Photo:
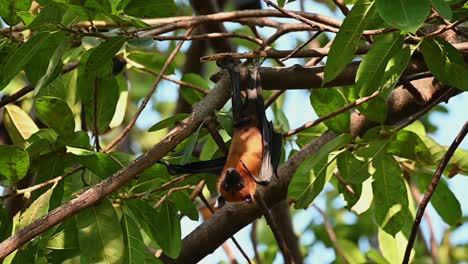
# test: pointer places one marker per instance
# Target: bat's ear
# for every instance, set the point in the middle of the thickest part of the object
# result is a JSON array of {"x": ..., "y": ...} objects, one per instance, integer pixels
[{"x": 220, "y": 202}]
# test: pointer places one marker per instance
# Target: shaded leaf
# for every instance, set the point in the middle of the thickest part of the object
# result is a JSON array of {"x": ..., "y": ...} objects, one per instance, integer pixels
[
  {"x": 169, "y": 230},
  {"x": 325, "y": 101},
  {"x": 153, "y": 61},
  {"x": 103, "y": 54},
  {"x": 445, "y": 62},
  {"x": 192, "y": 141},
  {"x": 37, "y": 209},
  {"x": 14, "y": 162},
  {"x": 55, "y": 113},
  {"x": 99, "y": 234},
  {"x": 142, "y": 8},
  {"x": 135, "y": 250}
]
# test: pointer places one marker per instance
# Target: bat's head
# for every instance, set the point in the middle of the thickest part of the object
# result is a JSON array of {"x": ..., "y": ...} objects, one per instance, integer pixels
[{"x": 234, "y": 188}]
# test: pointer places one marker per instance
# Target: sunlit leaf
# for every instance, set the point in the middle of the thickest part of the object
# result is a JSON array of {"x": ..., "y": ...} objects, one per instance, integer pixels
[{"x": 14, "y": 162}]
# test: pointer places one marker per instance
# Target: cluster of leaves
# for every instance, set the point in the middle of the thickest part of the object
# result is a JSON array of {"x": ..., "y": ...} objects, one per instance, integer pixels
[{"x": 52, "y": 131}]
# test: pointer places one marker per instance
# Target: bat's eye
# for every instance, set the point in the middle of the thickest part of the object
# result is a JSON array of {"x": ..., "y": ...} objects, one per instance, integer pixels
[
  {"x": 239, "y": 186},
  {"x": 226, "y": 186}
]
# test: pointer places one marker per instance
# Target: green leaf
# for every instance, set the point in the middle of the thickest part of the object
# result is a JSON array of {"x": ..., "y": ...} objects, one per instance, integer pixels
[
  {"x": 37, "y": 209},
  {"x": 353, "y": 169},
  {"x": 6, "y": 224},
  {"x": 167, "y": 122},
  {"x": 53, "y": 66},
  {"x": 375, "y": 256},
  {"x": 443, "y": 8},
  {"x": 445, "y": 62},
  {"x": 443, "y": 200},
  {"x": 185, "y": 205},
  {"x": 375, "y": 109},
  {"x": 50, "y": 14},
  {"x": 390, "y": 200},
  {"x": 98, "y": 5},
  {"x": 408, "y": 15},
  {"x": 310, "y": 134},
  {"x": 103, "y": 54},
  {"x": 101, "y": 104},
  {"x": 150, "y": 9},
  {"x": 408, "y": 145},
  {"x": 145, "y": 215},
  {"x": 134, "y": 247},
  {"x": 122, "y": 102},
  {"x": 351, "y": 251},
  {"x": 393, "y": 247},
  {"x": 191, "y": 95},
  {"x": 372, "y": 68},
  {"x": 21, "y": 56},
  {"x": 325, "y": 101},
  {"x": 346, "y": 41},
  {"x": 14, "y": 162},
  {"x": 65, "y": 237},
  {"x": 311, "y": 176},
  {"x": 19, "y": 124},
  {"x": 55, "y": 113},
  {"x": 192, "y": 141},
  {"x": 100, "y": 235},
  {"x": 169, "y": 230},
  {"x": 100, "y": 164},
  {"x": 153, "y": 61},
  {"x": 9, "y": 10}
]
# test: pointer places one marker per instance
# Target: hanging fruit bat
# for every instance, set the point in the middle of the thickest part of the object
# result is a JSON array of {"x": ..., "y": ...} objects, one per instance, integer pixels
[{"x": 255, "y": 147}]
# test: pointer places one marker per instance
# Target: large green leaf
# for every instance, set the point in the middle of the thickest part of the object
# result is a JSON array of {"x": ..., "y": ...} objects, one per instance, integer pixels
[
  {"x": 443, "y": 200},
  {"x": 47, "y": 63},
  {"x": 325, "y": 101},
  {"x": 192, "y": 141},
  {"x": 169, "y": 230},
  {"x": 21, "y": 56},
  {"x": 390, "y": 199},
  {"x": 51, "y": 14},
  {"x": 371, "y": 70},
  {"x": 352, "y": 253},
  {"x": 445, "y": 62},
  {"x": 100, "y": 164},
  {"x": 185, "y": 204},
  {"x": 443, "y": 8},
  {"x": 311, "y": 176},
  {"x": 353, "y": 168},
  {"x": 38, "y": 208},
  {"x": 393, "y": 247},
  {"x": 55, "y": 113},
  {"x": 6, "y": 224},
  {"x": 63, "y": 243},
  {"x": 144, "y": 215},
  {"x": 103, "y": 54},
  {"x": 100, "y": 235},
  {"x": 408, "y": 145},
  {"x": 101, "y": 104},
  {"x": 134, "y": 247},
  {"x": 346, "y": 41},
  {"x": 408, "y": 15},
  {"x": 142, "y": 8},
  {"x": 14, "y": 162},
  {"x": 19, "y": 124}
]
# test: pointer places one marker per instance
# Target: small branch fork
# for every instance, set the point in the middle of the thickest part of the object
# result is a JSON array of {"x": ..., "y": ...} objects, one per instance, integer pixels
[{"x": 432, "y": 187}]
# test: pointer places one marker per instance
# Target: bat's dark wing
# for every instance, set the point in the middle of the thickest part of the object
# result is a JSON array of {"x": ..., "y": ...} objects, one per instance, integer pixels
[
  {"x": 272, "y": 141},
  {"x": 214, "y": 166}
]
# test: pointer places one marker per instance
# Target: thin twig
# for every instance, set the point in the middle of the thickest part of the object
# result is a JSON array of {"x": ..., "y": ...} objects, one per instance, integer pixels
[
  {"x": 163, "y": 187},
  {"x": 432, "y": 187},
  {"x": 148, "y": 96},
  {"x": 273, "y": 97},
  {"x": 211, "y": 126},
  {"x": 331, "y": 233},
  {"x": 342, "y": 6},
  {"x": 42, "y": 184},
  {"x": 300, "y": 47},
  {"x": 169, "y": 193},
  {"x": 344, "y": 183},
  {"x": 210, "y": 36},
  {"x": 332, "y": 114},
  {"x": 165, "y": 77},
  {"x": 309, "y": 22},
  {"x": 448, "y": 27},
  {"x": 288, "y": 258}
]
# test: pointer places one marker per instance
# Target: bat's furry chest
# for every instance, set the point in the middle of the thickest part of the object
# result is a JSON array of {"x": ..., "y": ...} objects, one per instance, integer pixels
[{"x": 246, "y": 145}]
